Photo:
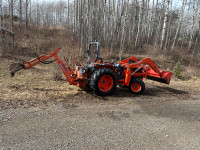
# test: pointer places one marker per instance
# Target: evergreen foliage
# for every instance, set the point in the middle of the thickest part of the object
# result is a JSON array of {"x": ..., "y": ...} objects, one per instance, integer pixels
[{"x": 178, "y": 70}]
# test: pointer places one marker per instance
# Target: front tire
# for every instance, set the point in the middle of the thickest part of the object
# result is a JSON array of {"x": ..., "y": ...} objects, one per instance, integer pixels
[
  {"x": 103, "y": 81},
  {"x": 136, "y": 86}
]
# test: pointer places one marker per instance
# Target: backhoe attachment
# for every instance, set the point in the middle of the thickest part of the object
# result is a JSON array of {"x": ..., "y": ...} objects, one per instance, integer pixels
[
  {"x": 43, "y": 59},
  {"x": 16, "y": 67}
]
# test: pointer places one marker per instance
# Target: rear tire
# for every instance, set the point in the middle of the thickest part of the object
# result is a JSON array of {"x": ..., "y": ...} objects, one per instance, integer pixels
[
  {"x": 136, "y": 86},
  {"x": 103, "y": 81}
]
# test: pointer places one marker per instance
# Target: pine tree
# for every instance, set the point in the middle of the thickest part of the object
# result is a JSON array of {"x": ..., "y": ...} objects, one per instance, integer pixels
[{"x": 178, "y": 70}]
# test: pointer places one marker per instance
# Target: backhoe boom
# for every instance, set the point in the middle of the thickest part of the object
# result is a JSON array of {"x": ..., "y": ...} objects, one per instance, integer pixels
[{"x": 42, "y": 59}]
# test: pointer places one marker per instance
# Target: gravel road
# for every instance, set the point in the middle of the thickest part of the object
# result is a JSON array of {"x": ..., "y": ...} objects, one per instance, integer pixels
[
  {"x": 135, "y": 123},
  {"x": 37, "y": 112}
]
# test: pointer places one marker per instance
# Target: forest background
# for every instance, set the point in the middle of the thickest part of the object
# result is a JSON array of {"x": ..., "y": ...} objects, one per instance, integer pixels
[{"x": 167, "y": 30}]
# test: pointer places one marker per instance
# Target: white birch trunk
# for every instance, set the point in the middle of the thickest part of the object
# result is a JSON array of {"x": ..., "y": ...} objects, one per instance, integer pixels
[
  {"x": 192, "y": 30},
  {"x": 179, "y": 24},
  {"x": 30, "y": 9},
  {"x": 123, "y": 30},
  {"x": 1, "y": 14},
  {"x": 164, "y": 25},
  {"x": 158, "y": 28},
  {"x": 112, "y": 27},
  {"x": 196, "y": 49},
  {"x": 26, "y": 24},
  {"x": 20, "y": 15},
  {"x": 11, "y": 15},
  {"x": 68, "y": 13},
  {"x": 138, "y": 27}
]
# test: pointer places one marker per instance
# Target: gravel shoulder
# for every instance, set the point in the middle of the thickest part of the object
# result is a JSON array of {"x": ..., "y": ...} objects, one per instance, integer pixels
[{"x": 142, "y": 124}]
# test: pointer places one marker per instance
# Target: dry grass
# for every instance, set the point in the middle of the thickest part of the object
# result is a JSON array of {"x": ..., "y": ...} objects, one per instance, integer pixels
[
  {"x": 38, "y": 85},
  {"x": 31, "y": 87}
]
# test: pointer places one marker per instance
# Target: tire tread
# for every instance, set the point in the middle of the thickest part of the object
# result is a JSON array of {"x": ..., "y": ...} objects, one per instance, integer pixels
[{"x": 96, "y": 76}]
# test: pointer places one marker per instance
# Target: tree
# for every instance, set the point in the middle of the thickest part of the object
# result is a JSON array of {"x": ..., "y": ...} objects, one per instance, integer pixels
[
  {"x": 11, "y": 14},
  {"x": 26, "y": 25},
  {"x": 164, "y": 25},
  {"x": 124, "y": 17},
  {"x": 20, "y": 15},
  {"x": 178, "y": 70},
  {"x": 179, "y": 24},
  {"x": 1, "y": 14}
]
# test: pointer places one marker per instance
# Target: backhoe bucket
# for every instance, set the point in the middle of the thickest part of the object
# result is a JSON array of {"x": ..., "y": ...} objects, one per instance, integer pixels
[
  {"x": 16, "y": 67},
  {"x": 164, "y": 78}
]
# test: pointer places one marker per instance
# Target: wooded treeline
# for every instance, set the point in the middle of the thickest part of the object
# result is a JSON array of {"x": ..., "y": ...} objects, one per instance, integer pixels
[{"x": 125, "y": 25}]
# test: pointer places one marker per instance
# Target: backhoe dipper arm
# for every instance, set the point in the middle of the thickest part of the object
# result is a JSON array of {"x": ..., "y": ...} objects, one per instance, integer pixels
[
  {"x": 42, "y": 59},
  {"x": 144, "y": 61},
  {"x": 39, "y": 59},
  {"x": 26, "y": 65}
]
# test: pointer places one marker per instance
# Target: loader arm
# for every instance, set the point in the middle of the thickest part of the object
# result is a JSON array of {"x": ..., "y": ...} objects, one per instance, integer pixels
[
  {"x": 151, "y": 72},
  {"x": 148, "y": 61},
  {"x": 42, "y": 59}
]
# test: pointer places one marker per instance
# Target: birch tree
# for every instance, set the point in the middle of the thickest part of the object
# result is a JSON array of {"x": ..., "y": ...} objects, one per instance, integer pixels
[
  {"x": 124, "y": 17},
  {"x": 1, "y": 14},
  {"x": 164, "y": 25},
  {"x": 192, "y": 29},
  {"x": 26, "y": 24},
  {"x": 179, "y": 23},
  {"x": 11, "y": 14},
  {"x": 20, "y": 15},
  {"x": 138, "y": 26}
]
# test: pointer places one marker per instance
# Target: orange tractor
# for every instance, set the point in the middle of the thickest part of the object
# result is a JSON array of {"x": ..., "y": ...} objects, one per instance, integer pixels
[{"x": 103, "y": 77}]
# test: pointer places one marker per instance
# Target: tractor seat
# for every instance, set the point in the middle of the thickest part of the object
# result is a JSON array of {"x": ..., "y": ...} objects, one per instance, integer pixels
[
  {"x": 88, "y": 67},
  {"x": 117, "y": 66}
]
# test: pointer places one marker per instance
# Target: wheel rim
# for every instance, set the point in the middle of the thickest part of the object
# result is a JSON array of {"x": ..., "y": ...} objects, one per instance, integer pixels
[
  {"x": 136, "y": 87},
  {"x": 105, "y": 83}
]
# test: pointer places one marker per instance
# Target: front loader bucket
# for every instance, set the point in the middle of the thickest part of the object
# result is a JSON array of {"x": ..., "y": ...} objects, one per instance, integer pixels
[
  {"x": 16, "y": 67},
  {"x": 164, "y": 78}
]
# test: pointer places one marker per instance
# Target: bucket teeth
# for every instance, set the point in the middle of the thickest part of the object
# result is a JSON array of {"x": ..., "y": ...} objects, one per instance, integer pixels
[{"x": 16, "y": 67}]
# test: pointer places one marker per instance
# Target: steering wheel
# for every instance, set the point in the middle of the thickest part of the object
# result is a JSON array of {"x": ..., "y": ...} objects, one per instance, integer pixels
[{"x": 98, "y": 60}]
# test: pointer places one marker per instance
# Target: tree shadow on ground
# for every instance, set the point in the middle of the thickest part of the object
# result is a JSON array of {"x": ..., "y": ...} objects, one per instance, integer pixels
[
  {"x": 160, "y": 91},
  {"x": 156, "y": 91}
]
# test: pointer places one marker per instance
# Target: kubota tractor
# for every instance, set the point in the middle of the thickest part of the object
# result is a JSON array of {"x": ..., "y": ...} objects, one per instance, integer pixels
[{"x": 103, "y": 77}]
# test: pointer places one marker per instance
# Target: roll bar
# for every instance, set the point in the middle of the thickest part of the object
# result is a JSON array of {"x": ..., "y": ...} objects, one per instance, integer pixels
[{"x": 96, "y": 52}]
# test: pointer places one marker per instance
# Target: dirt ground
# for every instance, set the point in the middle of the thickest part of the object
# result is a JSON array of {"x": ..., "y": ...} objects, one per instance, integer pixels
[{"x": 37, "y": 112}]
